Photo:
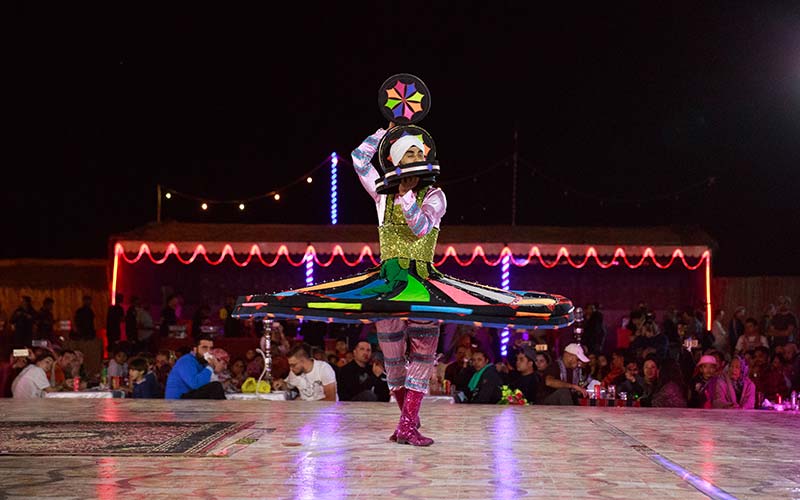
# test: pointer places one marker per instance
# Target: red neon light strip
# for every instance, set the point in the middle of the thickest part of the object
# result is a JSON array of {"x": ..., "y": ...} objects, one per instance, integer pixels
[
  {"x": 707, "y": 257},
  {"x": 366, "y": 253}
]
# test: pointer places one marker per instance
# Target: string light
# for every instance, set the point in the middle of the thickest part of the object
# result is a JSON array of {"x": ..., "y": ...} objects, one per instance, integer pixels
[
  {"x": 306, "y": 178},
  {"x": 334, "y": 189},
  {"x": 204, "y": 206}
]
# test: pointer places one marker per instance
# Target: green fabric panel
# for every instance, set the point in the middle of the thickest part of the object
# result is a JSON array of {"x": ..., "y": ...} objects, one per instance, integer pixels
[{"x": 413, "y": 292}]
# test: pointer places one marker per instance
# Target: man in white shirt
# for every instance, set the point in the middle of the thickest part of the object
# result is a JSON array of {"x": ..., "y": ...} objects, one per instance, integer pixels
[
  {"x": 32, "y": 381},
  {"x": 315, "y": 380}
]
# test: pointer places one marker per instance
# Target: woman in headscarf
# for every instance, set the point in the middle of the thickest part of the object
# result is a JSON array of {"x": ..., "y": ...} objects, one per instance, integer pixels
[{"x": 734, "y": 390}]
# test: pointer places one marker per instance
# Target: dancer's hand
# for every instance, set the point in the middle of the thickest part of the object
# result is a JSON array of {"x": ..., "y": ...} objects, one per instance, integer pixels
[{"x": 408, "y": 184}]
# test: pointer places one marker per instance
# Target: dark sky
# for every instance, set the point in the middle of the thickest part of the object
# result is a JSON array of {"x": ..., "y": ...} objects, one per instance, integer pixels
[{"x": 632, "y": 114}]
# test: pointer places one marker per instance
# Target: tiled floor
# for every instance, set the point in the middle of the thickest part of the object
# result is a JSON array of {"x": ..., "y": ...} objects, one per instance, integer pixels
[{"x": 337, "y": 451}]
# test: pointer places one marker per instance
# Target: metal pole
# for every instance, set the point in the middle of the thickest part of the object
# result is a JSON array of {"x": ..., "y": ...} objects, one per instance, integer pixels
[{"x": 158, "y": 204}]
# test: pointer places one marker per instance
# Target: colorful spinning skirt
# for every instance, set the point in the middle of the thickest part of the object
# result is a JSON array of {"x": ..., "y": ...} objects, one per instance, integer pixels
[{"x": 412, "y": 290}]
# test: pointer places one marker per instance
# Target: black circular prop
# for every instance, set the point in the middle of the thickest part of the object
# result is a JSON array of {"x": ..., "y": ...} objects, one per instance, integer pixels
[
  {"x": 404, "y": 99},
  {"x": 427, "y": 170}
]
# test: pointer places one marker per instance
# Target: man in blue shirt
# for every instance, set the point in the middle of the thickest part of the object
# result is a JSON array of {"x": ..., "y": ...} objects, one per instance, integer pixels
[{"x": 190, "y": 378}]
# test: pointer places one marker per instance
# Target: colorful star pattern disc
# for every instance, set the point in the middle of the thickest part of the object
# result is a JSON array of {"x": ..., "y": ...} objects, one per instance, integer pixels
[{"x": 404, "y": 99}]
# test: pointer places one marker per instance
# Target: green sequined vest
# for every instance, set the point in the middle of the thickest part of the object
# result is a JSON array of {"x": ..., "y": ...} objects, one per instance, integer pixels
[{"x": 397, "y": 239}]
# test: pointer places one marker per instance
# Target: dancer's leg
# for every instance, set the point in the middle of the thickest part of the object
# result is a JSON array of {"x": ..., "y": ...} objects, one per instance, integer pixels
[
  {"x": 424, "y": 337},
  {"x": 392, "y": 339}
]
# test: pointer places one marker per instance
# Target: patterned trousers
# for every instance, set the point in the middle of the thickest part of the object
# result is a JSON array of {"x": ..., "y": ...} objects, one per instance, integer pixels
[{"x": 412, "y": 371}]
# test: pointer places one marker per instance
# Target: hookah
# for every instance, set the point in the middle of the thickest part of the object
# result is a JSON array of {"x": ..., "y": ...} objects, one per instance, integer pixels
[
  {"x": 578, "y": 324},
  {"x": 265, "y": 345}
]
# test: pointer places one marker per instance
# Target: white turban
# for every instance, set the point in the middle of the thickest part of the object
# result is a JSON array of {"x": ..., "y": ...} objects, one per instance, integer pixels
[{"x": 402, "y": 144}]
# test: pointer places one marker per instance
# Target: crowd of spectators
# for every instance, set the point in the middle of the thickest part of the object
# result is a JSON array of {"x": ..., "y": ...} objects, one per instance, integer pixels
[{"x": 671, "y": 361}]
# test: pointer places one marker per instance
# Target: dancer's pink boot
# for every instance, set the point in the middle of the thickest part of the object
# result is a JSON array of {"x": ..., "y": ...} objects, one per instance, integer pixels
[
  {"x": 400, "y": 397},
  {"x": 407, "y": 432}
]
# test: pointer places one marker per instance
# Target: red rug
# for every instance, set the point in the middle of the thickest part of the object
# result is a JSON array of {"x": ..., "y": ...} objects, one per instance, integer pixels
[{"x": 114, "y": 438}]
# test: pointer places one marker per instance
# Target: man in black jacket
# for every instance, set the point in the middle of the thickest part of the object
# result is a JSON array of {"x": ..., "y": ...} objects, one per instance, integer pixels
[
  {"x": 362, "y": 379},
  {"x": 482, "y": 380}
]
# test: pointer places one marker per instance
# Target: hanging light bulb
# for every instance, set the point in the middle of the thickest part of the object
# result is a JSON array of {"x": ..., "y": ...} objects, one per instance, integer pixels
[
  {"x": 204, "y": 206},
  {"x": 168, "y": 196},
  {"x": 277, "y": 197},
  {"x": 309, "y": 179},
  {"x": 241, "y": 206}
]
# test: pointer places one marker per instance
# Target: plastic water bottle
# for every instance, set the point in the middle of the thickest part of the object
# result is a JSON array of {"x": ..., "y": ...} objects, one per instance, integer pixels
[{"x": 794, "y": 400}]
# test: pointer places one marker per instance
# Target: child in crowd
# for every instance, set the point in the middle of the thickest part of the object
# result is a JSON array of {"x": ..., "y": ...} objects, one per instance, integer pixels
[
  {"x": 143, "y": 383},
  {"x": 236, "y": 376},
  {"x": 118, "y": 366}
]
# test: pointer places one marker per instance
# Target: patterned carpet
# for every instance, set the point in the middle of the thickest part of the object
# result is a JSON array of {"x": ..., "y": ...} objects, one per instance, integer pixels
[{"x": 114, "y": 438}]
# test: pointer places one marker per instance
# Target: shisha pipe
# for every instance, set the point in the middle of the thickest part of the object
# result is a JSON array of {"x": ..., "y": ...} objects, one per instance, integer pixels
[
  {"x": 264, "y": 350},
  {"x": 578, "y": 324}
]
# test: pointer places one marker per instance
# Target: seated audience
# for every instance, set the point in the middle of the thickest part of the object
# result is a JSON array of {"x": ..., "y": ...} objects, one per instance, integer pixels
[
  {"x": 649, "y": 381},
  {"x": 118, "y": 364},
  {"x": 616, "y": 374},
  {"x": 563, "y": 378},
  {"x": 769, "y": 382},
  {"x": 190, "y": 378},
  {"x": 163, "y": 364},
  {"x": 314, "y": 380},
  {"x": 143, "y": 383},
  {"x": 32, "y": 381},
  {"x": 221, "y": 373},
  {"x": 703, "y": 383},
  {"x": 734, "y": 389},
  {"x": 341, "y": 349},
  {"x": 62, "y": 372},
  {"x": 236, "y": 376},
  {"x": 543, "y": 361},
  {"x": 485, "y": 384},
  {"x": 633, "y": 382},
  {"x": 362, "y": 379},
  {"x": 670, "y": 390},
  {"x": 255, "y": 363},
  {"x": 11, "y": 370},
  {"x": 459, "y": 363},
  {"x": 526, "y": 380}
]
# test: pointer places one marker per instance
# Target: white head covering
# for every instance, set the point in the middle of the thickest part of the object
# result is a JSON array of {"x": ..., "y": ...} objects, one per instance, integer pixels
[{"x": 402, "y": 144}]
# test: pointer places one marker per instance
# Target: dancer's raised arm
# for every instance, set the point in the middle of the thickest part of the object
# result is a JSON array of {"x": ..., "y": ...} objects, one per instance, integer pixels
[{"x": 362, "y": 164}]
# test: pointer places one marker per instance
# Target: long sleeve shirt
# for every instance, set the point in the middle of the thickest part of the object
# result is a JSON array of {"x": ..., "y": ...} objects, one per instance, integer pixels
[
  {"x": 420, "y": 219},
  {"x": 187, "y": 374}
]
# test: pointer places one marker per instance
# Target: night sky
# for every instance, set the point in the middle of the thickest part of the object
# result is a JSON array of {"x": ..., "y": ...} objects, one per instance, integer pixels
[{"x": 638, "y": 114}]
